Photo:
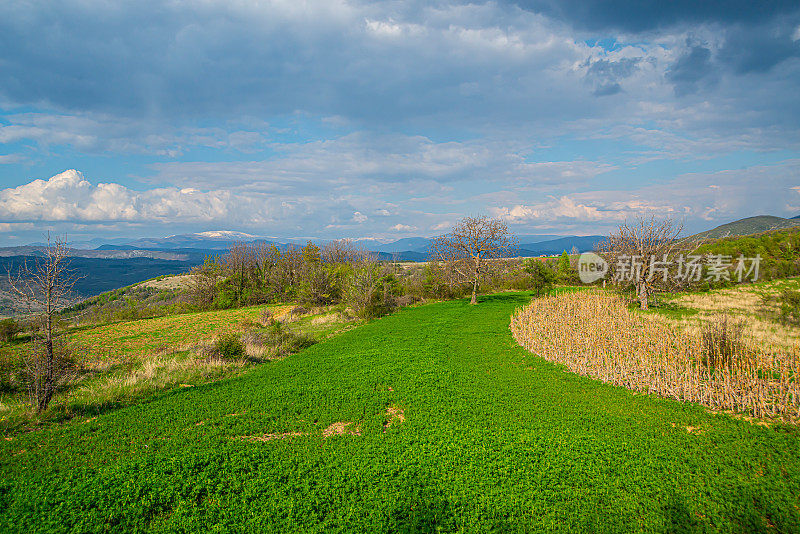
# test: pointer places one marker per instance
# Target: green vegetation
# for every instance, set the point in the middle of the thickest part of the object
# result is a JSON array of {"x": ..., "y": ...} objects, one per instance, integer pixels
[
  {"x": 542, "y": 276},
  {"x": 8, "y": 329},
  {"x": 435, "y": 420},
  {"x": 789, "y": 306},
  {"x": 229, "y": 346},
  {"x": 121, "y": 363},
  {"x": 746, "y": 226},
  {"x": 779, "y": 251}
]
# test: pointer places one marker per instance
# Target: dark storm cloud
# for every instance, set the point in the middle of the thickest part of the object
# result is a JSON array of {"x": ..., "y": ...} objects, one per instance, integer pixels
[
  {"x": 690, "y": 69},
  {"x": 645, "y": 15},
  {"x": 757, "y": 34},
  {"x": 759, "y": 48}
]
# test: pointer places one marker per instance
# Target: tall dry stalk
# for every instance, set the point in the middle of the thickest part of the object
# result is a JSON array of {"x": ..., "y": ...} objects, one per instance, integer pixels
[{"x": 594, "y": 334}]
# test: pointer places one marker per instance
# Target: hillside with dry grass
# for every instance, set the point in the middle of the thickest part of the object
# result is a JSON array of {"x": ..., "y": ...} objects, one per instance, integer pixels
[
  {"x": 125, "y": 361},
  {"x": 753, "y": 306}
]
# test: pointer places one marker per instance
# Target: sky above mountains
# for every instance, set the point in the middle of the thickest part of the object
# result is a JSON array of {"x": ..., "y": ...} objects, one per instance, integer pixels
[{"x": 393, "y": 119}]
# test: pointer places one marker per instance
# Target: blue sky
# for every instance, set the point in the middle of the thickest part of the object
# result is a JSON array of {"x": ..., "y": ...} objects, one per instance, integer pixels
[{"x": 393, "y": 119}]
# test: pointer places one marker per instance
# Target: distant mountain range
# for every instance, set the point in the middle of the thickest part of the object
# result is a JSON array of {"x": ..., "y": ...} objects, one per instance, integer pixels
[{"x": 194, "y": 247}]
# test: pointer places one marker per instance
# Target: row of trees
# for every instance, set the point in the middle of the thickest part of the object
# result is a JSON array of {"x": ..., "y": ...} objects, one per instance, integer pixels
[
  {"x": 257, "y": 274},
  {"x": 474, "y": 255}
]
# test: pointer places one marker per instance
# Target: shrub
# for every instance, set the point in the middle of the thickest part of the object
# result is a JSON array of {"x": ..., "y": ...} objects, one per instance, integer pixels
[
  {"x": 789, "y": 305},
  {"x": 229, "y": 346},
  {"x": 406, "y": 300},
  {"x": 285, "y": 341},
  {"x": 722, "y": 342},
  {"x": 8, "y": 329},
  {"x": 9, "y": 366}
]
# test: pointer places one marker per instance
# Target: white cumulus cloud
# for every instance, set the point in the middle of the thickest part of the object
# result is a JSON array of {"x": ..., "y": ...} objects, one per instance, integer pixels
[{"x": 68, "y": 196}]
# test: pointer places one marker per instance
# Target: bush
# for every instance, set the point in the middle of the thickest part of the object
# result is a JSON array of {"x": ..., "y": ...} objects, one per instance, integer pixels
[
  {"x": 298, "y": 311},
  {"x": 722, "y": 342},
  {"x": 789, "y": 304},
  {"x": 9, "y": 368},
  {"x": 285, "y": 341},
  {"x": 229, "y": 346},
  {"x": 8, "y": 329},
  {"x": 406, "y": 300}
]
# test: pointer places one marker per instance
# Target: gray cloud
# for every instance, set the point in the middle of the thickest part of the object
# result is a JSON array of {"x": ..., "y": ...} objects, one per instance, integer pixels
[
  {"x": 757, "y": 49},
  {"x": 693, "y": 67},
  {"x": 646, "y": 15},
  {"x": 606, "y": 75},
  {"x": 147, "y": 74}
]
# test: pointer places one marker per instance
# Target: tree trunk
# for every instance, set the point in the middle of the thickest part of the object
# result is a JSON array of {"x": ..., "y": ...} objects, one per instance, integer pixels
[
  {"x": 474, "y": 291},
  {"x": 47, "y": 392},
  {"x": 642, "y": 294}
]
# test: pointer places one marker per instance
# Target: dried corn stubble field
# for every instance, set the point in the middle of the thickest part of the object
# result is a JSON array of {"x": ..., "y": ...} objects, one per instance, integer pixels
[{"x": 594, "y": 333}]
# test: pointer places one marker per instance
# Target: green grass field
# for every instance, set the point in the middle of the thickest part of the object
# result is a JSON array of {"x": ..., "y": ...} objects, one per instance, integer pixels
[{"x": 494, "y": 439}]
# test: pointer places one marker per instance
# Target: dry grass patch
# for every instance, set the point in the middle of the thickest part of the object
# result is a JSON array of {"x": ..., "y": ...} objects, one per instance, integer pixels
[
  {"x": 154, "y": 373},
  {"x": 328, "y": 318},
  {"x": 746, "y": 303},
  {"x": 272, "y": 437},
  {"x": 342, "y": 428},
  {"x": 178, "y": 281},
  {"x": 394, "y": 415}
]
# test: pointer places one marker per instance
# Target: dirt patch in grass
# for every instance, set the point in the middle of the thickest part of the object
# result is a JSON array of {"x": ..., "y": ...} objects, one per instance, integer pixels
[
  {"x": 394, "y": 415},
  {"x": 342, "y": 428},
  {"x": 272, "y": 437}
]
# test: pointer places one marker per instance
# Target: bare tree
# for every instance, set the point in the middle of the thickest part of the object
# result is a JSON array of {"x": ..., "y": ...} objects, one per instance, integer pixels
[
  {"x": 340, "y": 251},
  {"x": 46, "y": 285},
  {"x": 469, "y": 249},
  {"x": 640, "y": 254}
]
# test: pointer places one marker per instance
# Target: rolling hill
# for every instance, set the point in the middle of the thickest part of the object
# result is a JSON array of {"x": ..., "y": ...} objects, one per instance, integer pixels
[
  {"x": 429, "y": 420},
  {"x": 746, "y": 226}
]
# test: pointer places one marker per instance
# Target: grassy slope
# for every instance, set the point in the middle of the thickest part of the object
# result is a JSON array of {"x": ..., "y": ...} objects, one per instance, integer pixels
[
  {"x": 110, "y": 343},
  {"x": 174, "y": 331},
  {"x": 493, "y": 438},
  {"x": 746, "y": 226}
]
